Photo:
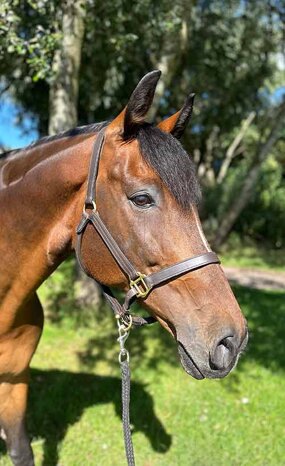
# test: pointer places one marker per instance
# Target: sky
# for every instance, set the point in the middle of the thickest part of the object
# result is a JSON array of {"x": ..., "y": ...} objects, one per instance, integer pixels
[{"x": 13, "y": 135}]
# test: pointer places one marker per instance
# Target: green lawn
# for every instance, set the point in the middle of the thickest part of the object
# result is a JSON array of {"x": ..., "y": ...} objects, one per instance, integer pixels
[
  {"x": 74, "y": 409},
  {"x": 253, "y": 256}
]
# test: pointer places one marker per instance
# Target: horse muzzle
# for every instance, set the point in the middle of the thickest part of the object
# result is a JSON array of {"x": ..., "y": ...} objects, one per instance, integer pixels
[{"x": 217, "y": 363}]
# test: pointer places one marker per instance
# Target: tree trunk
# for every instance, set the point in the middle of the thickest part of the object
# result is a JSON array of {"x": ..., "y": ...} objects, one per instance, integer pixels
[
  {"x": 205, "y": 169},
  {"x": 63, "y": 99},
  {"x": 172, "y": 53},
  {"x": 66, "y": 64},
  {"x": 244, "y": 197}
]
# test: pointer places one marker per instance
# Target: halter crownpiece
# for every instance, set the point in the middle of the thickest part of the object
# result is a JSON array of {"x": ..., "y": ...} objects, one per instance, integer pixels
[{"x": 140, "y": 284}]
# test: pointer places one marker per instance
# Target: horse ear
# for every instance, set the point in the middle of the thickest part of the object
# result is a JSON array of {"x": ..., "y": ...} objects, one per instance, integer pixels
[
  {"x": 176, "y": 124},
  {"x": 139, "y": 103}
]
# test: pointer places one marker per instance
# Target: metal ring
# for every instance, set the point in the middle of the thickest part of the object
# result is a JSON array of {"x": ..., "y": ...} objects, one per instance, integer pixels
[
  {"x": 87, "y": 206},
  {"x": 124, "y": 356},
  {"x": 125, "y": 322}
]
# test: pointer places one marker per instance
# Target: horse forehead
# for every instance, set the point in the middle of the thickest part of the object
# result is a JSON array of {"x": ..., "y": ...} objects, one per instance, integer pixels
[{"x": 127, "y": 161}]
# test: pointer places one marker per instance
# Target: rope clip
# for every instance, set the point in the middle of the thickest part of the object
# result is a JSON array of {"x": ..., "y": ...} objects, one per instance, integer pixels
[{"x": 124, "y": 331}]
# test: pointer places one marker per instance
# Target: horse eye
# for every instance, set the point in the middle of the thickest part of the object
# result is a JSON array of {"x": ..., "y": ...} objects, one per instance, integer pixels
[{"x": 142, "y": 200}]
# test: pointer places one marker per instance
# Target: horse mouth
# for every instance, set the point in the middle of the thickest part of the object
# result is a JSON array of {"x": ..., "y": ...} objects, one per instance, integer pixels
[{"x": 188, "y": 364}]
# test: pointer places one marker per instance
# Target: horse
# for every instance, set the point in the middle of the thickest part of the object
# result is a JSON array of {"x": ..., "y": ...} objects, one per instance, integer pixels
[{"x": 147, "y": 194}]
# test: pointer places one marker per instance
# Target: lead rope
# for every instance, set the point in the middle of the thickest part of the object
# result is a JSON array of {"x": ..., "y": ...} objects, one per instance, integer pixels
[
  {"x": 140, "y": 284},
  {"x": 124, "y": 359}
]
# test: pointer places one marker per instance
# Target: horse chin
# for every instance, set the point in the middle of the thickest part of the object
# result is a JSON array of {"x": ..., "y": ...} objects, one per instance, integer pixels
[{"x": 188, "y": 364}]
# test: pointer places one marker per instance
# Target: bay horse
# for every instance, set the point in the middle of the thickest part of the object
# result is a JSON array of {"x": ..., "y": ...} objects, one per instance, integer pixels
[{"x": 147, "y": 195}]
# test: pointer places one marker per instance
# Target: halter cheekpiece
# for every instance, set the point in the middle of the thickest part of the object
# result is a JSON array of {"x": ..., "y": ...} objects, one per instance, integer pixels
[{"x": 140, "y": 284}]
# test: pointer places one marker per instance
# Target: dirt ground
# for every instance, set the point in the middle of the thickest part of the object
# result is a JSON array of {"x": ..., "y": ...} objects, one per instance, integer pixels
[{"x": 260, "y": 279}]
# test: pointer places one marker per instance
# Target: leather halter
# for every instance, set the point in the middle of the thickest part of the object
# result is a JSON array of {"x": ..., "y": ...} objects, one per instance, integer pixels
[{"x": 140, "y": 284}]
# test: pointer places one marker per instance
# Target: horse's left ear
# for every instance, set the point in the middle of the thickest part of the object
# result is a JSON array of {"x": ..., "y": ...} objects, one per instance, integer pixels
[
  {"x": 176, "y": 124},
  {"x": 139, "y": 103}
]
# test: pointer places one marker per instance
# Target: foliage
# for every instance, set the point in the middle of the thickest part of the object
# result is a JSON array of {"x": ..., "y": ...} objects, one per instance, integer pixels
[
  {"x": 58, "y": 292},
  {"x": 28, "y": 36},
  {"x": 28, "y": 39},
  {"x": 230, "y": 54},
  {"x": 263, "y": 219},
  {"x": 264, "y": 216},
  {"x": 60, "y": 296},
  {"x": 230, "y": 57}
]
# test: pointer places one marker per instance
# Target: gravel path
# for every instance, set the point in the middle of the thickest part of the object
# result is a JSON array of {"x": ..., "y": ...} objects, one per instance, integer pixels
[{"x": 260, "y": 279}]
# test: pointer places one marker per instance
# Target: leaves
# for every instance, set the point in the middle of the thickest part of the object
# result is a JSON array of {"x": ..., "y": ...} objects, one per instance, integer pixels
[
  {"x": 28, "y": 34},
  {"x": 230, "y": 56}
]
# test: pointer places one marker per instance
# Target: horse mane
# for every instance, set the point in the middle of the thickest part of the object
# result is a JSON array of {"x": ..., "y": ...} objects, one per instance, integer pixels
[
  {"x": 165, "y": 154},
  {"x": 87, "y": 129},
  {"x": 6, "y": 153},
  {"x": 159, "y": 149}
]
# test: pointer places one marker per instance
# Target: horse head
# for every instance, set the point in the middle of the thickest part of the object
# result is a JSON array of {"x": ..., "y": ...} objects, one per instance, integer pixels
[{"x": 147, "y": 195}]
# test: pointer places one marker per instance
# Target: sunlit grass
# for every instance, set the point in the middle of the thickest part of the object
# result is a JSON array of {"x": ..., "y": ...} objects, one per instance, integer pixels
[
  {"x": 74, "y": 409},
  {"x": 253, "y": 256}
]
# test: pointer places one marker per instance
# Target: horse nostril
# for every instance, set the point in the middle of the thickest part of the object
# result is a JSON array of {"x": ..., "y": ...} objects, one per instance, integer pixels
[{"x": 223, "y": 354}]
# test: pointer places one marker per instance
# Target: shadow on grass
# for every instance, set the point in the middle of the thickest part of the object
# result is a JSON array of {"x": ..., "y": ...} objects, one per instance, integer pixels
[
  {"x": 59, "y": 398},
  {"x": 263, "y": 309},
  {"x": 72, "y": 393},
  {"x": 265, "y": 312},
  {"x": 149, "y": 346}
]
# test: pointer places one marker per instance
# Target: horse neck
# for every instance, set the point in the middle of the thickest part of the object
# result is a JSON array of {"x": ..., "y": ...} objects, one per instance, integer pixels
[{"x": 40, "y": 205}]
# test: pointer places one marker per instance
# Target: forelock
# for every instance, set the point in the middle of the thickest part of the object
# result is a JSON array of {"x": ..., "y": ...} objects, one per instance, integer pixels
[{"x": 171, "y": 162}]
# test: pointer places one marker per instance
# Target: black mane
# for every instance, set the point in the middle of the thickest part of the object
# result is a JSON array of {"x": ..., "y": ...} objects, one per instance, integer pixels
[
  {"x": 3, "y": 155},
  {"x": 87, "y": 129},
  {"x": 166, "y": 156},
  {"x": 160, "y": 150}
]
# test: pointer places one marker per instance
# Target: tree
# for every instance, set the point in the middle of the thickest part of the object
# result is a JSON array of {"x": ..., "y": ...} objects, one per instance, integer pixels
[
  {"x": 28, "y": 38},
  {"x": 63, "y": 103},
  {"x": 262, "y": 152},
  {"x": 228, "y": 56}
]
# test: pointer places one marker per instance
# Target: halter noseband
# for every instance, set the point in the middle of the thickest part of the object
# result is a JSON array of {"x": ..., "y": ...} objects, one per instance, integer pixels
[{"x": 140, "y": 284}]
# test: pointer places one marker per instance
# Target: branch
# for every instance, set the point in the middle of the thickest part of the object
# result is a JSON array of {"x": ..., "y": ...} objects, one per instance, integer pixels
[
  {"x": 197, "y": 156},
  {"x": 233, "y": 147},
  {"x": 5, "y": 88},
  {"x": 274, "y": 133},
  {"x": 250, "y": 181}
]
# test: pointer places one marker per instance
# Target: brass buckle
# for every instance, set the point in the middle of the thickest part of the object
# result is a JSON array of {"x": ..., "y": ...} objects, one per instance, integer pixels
[{"x": 140, "y": 286}]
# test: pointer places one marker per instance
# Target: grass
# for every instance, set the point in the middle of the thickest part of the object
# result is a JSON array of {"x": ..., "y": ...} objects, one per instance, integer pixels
[
  {"x": 253, "y": 256},
  {"x": 74, "y": 406}
]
